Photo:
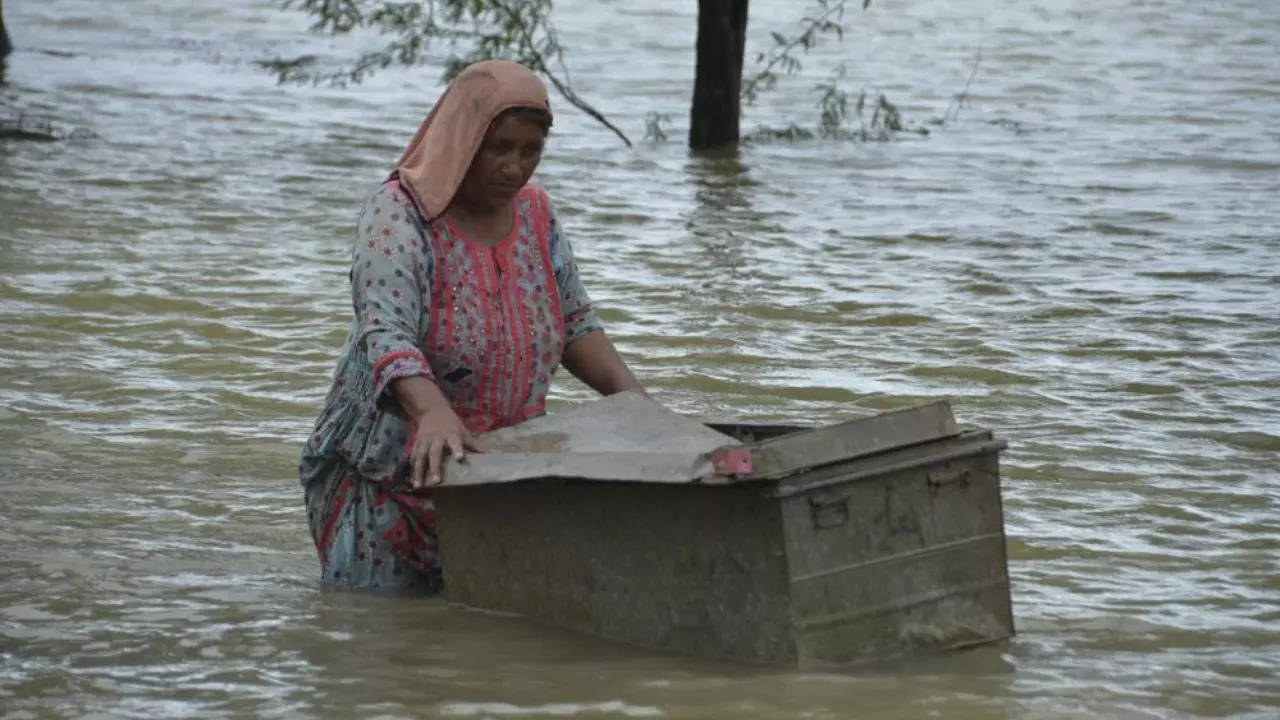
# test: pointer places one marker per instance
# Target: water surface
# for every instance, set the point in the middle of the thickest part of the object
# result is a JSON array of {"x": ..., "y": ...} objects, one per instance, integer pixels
[{"x": 1085, "y": 260}]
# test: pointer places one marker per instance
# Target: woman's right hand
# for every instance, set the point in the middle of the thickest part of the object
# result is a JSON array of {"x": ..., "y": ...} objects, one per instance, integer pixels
[{"x": 439, "y": 429}]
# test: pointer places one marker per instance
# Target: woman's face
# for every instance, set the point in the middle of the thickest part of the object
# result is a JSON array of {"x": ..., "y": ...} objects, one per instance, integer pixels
[{"x": 506, "y": 159}]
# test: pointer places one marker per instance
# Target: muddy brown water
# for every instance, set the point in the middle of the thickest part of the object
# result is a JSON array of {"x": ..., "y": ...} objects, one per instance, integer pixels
[{"x": 1085, "y": 260}]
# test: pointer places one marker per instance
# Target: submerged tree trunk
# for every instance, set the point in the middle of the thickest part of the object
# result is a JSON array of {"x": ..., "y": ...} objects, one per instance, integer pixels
[
  {"x": 717, "y": 85},
  {"x": 5, "y": 47}
]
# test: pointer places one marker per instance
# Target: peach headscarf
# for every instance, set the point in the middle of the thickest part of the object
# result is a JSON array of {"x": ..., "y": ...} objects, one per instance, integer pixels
[{"x": 432, "y": 168}]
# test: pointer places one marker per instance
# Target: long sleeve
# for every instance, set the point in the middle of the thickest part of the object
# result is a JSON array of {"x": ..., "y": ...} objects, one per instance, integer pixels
[
  {"x": 390, "y": 271},
  {"x": 579, "y": 313}
]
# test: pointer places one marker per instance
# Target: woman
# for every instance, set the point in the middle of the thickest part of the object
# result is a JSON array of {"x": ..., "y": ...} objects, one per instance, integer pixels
[{"x": 466, "y": 299}]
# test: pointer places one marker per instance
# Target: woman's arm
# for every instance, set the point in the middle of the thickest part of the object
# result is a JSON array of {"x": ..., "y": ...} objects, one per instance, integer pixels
[
  {"x": 438, "y": 429},
  {"x": 594, "y": 360},
  {"x": 390, "y": 301},
  {"x": 588, "y": 354},
  {"x": 386, "y": 294}
]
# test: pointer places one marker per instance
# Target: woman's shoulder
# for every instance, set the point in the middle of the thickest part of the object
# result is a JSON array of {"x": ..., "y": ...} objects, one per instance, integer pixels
[
  {"x": 390, "y": 194},
  {"x": 389, "y": 210}
]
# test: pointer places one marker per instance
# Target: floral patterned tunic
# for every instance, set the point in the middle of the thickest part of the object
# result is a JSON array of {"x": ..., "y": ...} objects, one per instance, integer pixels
[{"x": 487, "y": 324}]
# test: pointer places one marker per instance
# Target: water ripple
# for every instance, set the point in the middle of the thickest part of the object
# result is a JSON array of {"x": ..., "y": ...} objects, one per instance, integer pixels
[{"x": 1083, "y": 260}]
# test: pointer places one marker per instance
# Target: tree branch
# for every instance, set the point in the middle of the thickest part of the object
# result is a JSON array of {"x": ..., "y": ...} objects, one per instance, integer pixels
[
  {"x": 499, "y": 28},
  {"x": 562, "y": 87},
  {"x": 781, "y": 52}
]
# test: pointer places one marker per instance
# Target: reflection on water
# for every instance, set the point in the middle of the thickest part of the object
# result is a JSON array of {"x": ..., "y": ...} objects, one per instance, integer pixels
[{"x": 1085, "y": 261}]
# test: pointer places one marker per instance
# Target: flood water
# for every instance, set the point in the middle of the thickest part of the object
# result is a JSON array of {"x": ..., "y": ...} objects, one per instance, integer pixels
[{"x": 1086, "y": 259}]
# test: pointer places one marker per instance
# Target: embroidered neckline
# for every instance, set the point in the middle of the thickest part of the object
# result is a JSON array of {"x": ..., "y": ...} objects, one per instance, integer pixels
[{"x": 503, "y": 242}]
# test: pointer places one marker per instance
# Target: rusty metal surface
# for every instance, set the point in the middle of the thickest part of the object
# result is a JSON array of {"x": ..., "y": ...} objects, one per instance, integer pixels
[
  {"x": 623, "y": 437},
  {"x": 690, "y": 569},
  {"x": 785, "y": 455},
  {"x": 628, "y": 437},
  {"x": 877, "y": 553},
  {"x": 974, "y": 442},
  {"x": 900, "y": 556}
]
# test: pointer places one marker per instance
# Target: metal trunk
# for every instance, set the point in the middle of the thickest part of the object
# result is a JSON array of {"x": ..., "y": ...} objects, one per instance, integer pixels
[{"x": 857, "y": 541}]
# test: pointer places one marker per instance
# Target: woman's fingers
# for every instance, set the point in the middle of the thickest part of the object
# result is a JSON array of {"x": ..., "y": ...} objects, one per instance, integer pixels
[
  {"x": 435, "y": 456},
  {"x": 437, "y": 437},
  {"x": 419, "y": 466}
]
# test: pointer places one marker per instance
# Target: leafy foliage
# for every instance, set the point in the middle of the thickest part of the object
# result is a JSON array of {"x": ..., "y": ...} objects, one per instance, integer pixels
[
  {"x": 835, "y": 118},
  {"x": 461, "y": 32},
  {"x": 655, "y": 126},
  {"x": 826, "y": 20},
  {"x": 465, "y": 31}
]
